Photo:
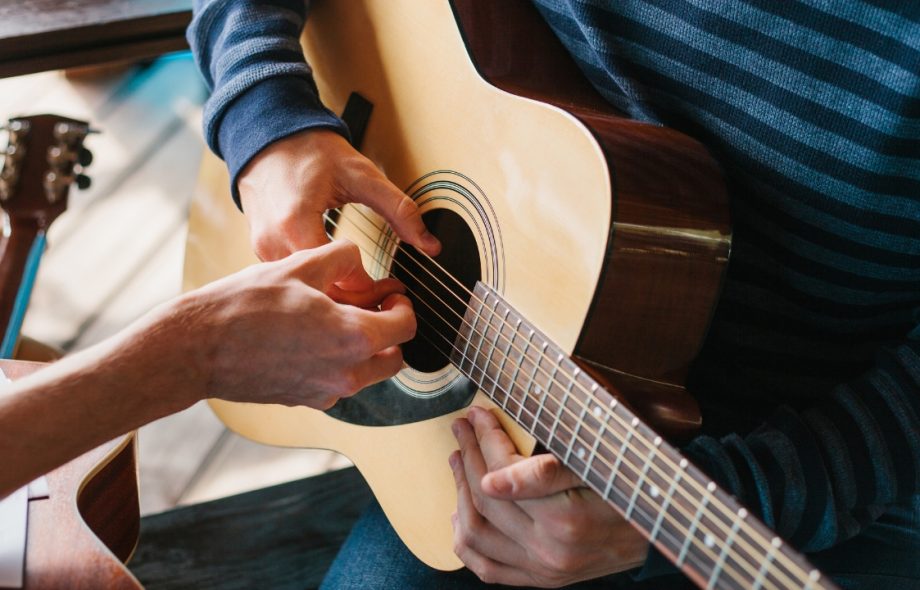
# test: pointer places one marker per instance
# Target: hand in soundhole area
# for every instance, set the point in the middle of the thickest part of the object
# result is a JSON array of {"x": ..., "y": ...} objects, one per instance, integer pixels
[
  {"x": 528, "y": 521},
  {"x": 287, "y": 187},
  {"x": 305, "y": 330}
]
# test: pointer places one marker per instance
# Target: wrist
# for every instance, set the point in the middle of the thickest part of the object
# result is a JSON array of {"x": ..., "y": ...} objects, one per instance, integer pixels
[{"x": 165, "y": 356}]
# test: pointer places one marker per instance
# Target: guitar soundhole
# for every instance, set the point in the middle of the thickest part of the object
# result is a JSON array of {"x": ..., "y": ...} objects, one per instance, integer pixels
[{"x": 440, "y": 292}]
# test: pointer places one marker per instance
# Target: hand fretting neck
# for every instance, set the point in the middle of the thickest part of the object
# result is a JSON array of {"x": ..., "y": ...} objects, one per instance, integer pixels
[{"x": 696, "y": 524}]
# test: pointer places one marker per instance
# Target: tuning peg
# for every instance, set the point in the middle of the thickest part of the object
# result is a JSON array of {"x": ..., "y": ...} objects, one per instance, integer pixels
[
  {"x": 70, "y": 133},
  {"x": 84, "y": 157},
  {"x": 83, "y": 182},
  {"x": 17, "y": 128}
]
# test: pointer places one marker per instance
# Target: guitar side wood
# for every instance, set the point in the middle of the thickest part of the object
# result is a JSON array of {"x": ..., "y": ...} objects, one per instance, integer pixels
[{"x": 81, "y": 535}]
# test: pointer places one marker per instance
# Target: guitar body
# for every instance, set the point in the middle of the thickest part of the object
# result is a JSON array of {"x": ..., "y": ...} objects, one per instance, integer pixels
[
  {"x": 609, "y": 235},
  {"x": 83, "y": 533}
]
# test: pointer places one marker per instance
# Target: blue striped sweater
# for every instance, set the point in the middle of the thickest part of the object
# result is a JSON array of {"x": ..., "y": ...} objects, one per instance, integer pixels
[{"x": 810, "y": 377}]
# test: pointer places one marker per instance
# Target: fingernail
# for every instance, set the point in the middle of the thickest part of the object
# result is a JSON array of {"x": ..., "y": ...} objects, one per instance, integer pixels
[
  {"x": 455, "y": 428},
  {"x": 454, "y": 459},
  {"x": 430, "y": 241}
]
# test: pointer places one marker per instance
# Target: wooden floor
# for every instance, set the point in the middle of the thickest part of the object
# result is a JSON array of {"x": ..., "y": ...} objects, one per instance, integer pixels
[{"x": 118, "y": 251}]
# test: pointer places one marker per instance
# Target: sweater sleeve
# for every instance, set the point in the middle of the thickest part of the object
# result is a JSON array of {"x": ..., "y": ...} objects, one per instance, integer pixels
[
  {"x": 262, "y": 89},
  {"x": 821, "y": 476}
]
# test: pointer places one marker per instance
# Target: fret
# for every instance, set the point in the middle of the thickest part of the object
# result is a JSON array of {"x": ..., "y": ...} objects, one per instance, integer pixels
[
  {"x": 598, "y": 411},
  {"x": 517, "y": 370},
  {"x": 533, "y": 375},
  {"x": 565, "y": 395},
  {"x": 619, "y": 459},
  {"x": 469, "y": 339},
  {"x": 498, "y": 376},
  {"x": 641, "y": 481},
  {"x": 729, "y": 540},
  {"x": 667, "y": 500},
  {"x": 478, "y": 355},
  {"x": 691, "y": 533},
  {"x": 581, "y": 419},
  {"x": 775, "y": 544},
  {"x": 501, "y": 367}
]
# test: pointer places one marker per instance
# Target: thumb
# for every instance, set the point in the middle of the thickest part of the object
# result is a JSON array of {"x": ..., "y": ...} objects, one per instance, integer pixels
[{"x": 534, "y": 477}]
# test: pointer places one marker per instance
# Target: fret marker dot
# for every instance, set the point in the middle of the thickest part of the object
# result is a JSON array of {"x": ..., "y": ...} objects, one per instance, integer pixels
[
  {"x": 653, "y": 491},
  {"x": 597, "y": 411},
  {"x": 709, "y": 541},
  {"x": 742, "y": 513},
  {"x": 777, "y": 542},
  {"x": 536, "y": 389},
  {"x": 683, "y": 463},
  {"x": 711, "y": 486},
  {"x": 657, "y": 441},
  {"x": 635, "y": 422},
  {"x": 581, "y": 452},
  {"x": 814, "y": 575}
]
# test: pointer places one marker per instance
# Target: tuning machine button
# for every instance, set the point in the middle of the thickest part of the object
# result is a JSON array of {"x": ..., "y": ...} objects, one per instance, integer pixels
[
  {"x": 70, "y": 133},
  {"x": 83, "y": 182},
  {"x": 84, "y": 157}
]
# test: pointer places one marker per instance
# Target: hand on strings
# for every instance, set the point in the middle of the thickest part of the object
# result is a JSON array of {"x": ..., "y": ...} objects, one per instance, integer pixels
[
  {"x": 288, "y": 186},
  {"x": 305, "y": 330},
  {"x": 527, "y": 521}
]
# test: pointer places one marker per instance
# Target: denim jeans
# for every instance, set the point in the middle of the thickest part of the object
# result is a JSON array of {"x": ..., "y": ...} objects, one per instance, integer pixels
[{"x": 886, "y": 555}]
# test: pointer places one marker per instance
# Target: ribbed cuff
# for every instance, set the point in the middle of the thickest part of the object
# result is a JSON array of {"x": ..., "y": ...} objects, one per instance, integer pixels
[{"x": 271, "y": 110}]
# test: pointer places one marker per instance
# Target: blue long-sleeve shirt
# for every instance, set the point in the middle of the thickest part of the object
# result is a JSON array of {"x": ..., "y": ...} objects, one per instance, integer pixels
[{"x": 810, "y": 376}]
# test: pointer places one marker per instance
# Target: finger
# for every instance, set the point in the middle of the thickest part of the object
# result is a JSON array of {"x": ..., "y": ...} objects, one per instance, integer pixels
[
  {"x": 534, "y": 477},
  {"x": 400, "y": 211},
  {"x": 393, "y": 324},
  {"x": 338, "y": 262},
  {"x": 275, "y": 238},
  {"x": 309, "y": 231},
  {"x": 474, "y": 534},
  {"x": 382, "y": 365},
  {"x": 506, "y": 516},
  {"x": 497, "y": 449},
  {"x": 368, "y": 298}
]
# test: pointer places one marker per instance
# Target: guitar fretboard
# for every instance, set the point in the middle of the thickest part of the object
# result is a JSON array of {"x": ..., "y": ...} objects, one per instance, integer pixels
[{"x": 701, "y": 528}]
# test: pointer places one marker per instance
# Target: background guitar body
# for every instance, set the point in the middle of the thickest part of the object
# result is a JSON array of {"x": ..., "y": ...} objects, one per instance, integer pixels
[
  {"x": 83, "y": 533},
  {"x": 609, "y": 235}
]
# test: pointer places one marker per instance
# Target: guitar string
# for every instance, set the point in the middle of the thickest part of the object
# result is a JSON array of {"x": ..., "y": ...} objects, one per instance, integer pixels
[
  {"x": 639, "y": 510},
  {"x": 628, "y": 462},
  {"x": 728, "y": 560},
  {"x": 719, "y": 508},
  {"x": 726, "y": 513}
]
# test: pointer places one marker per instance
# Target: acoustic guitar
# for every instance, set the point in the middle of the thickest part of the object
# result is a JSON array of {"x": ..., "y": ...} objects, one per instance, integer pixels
[
  {"x": 578, "y": 245},
  {"x": 85, "y": 530}
]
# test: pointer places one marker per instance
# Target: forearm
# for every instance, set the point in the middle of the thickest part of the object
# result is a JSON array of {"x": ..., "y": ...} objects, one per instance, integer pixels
[
  {"x": 86, "y": 399},
  {"x": 262, "y": 89}
]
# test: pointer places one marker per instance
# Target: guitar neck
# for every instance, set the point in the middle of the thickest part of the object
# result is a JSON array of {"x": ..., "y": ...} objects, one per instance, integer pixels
[
  {"x": 19, "y": 259},
  {"x": 701, "y": 528}
]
